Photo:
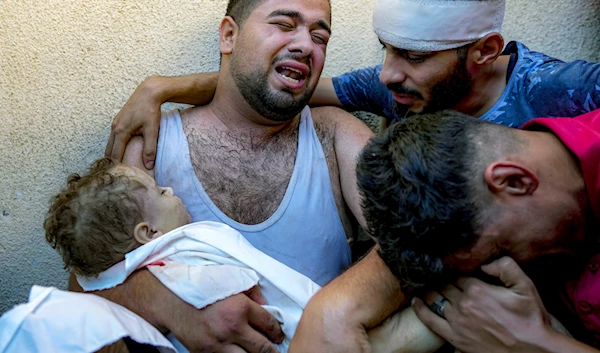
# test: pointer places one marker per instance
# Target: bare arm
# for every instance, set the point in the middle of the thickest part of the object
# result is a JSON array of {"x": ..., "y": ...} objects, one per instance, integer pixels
[
  {"x": 228, "y": 324},
  {"x": 480, "y": 317},
  {"x": 404, "y": 333},
  {"x": 141, "y": 293},
  {"x": 351, "y": 135},
  {"x": 325, "y": 94},
  {"x": 141, "y": 113},
  {"x": 337, "y": 317},
  {"x": 556, "y": 342}
]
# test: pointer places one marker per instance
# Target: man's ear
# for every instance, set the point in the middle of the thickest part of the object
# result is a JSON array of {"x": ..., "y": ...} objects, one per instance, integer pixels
[
  {"x": 486, "y": 50},
  {"x": 228, "y": 31},
  {"x": 143, "y": 233},
  {"x": 510, "y": 177}
]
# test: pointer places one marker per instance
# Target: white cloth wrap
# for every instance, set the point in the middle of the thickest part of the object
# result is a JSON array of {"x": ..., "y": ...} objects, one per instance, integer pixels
[
  {"x": 66, "y": 322},
  {"x": 435, "y": 25},
  {"x": 207, "y": 261}
]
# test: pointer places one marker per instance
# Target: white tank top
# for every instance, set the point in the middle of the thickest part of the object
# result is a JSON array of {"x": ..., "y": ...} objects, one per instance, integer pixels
[{"x": 305, "y": 232}]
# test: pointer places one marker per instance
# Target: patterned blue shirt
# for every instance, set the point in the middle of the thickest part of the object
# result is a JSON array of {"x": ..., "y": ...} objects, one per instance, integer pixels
[{"x": 539, "y": 86}]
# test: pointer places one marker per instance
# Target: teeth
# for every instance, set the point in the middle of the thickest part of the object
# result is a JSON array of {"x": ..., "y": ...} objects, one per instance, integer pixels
[
  {"x": 287, "y": 78},
  {"x": 293, "y": 70}
]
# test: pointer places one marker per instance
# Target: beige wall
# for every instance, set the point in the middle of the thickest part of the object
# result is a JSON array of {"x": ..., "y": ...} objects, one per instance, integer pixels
[{"x": 66, "y": 67}]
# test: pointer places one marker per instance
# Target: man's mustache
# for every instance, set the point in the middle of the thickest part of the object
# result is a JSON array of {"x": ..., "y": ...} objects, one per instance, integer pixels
[
  {"x": 291, "y": 56},
  {"x": 398, "y": 88}
]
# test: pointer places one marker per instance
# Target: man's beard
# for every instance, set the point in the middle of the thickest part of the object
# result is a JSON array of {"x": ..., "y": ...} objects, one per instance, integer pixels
[
  {"x": 444, "y": 95},
  {"x": 278, "y": 106}
]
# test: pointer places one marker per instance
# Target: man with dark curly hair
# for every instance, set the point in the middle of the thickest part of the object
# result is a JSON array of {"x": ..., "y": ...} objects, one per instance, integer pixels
[{"x": 447, "y": 195}]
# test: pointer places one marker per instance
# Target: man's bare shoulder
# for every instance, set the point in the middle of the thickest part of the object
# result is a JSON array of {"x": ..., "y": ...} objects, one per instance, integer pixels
[
  {"x": 340, "y": 121},
  {"x": 193, "y": 113},
  {"x": 332, "y": 115},
  {"x": 349, "y": 135}
]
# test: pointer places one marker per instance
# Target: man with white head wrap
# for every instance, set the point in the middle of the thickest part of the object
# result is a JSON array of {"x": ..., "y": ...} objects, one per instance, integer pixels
[
  {"x": 439, "y": 54},
  {"x": 436, "y": 25},
  {"x": 475, "y": 76}
]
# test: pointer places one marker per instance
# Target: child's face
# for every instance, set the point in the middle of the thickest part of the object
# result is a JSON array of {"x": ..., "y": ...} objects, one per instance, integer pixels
[{"x": 160, "y": 208}]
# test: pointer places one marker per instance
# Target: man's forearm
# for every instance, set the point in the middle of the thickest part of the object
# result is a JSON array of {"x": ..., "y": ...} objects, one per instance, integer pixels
[
  {"x": 337, "y": 317},
  {"x": 325, "y": 94},
  {"x": 556, "y": 342},
  {"x": 143, "y": 294},
  {"x": 375, "y": 291},
  {"x": 195, "y": 89},
  {"x": 404, "y": 332}
]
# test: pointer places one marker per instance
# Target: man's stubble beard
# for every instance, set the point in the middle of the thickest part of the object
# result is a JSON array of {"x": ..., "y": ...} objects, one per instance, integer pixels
[
  {"x": 276, "y": 106},
  {"x": 445, "y": 94}
]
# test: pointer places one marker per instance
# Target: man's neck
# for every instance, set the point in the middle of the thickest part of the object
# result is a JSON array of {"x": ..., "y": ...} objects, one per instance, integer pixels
[
  {"x": 235, "y": 113},
  {"x": 488, "y": 87}
]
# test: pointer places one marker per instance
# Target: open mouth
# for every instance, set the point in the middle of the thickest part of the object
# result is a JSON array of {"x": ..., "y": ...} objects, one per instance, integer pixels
[{"x": 290, "y": 74}]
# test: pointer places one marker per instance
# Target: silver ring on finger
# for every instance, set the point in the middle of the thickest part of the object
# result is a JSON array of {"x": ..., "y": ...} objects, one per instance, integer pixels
[{"x": 438, "y": 307}]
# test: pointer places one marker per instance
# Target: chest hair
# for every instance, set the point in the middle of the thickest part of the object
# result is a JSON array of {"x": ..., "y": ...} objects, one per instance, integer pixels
[{"x": 247, "y": 176}]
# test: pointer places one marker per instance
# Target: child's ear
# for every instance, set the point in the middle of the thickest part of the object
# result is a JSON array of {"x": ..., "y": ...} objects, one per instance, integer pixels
[{"x": 144, "y": 233}]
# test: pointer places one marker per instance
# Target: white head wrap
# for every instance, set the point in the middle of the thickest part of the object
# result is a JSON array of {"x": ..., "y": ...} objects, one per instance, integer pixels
[{"x": 435, "y": 25}]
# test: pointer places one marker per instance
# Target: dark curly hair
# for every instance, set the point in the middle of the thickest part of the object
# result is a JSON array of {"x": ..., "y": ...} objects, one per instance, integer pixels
[
  {"x": 420, "y": 194},
  {"x": 91, "y": 221}
]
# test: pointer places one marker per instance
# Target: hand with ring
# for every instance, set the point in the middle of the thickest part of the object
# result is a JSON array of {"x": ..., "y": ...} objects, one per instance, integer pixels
[
  {"x": 475, "y": 316},
  {"x": 438, "y": 307}
]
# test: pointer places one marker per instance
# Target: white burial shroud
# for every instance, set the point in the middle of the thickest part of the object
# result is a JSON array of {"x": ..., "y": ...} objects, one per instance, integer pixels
[
  {"x": 207, "y": 261},
  {"x": 57, "y": 321}
]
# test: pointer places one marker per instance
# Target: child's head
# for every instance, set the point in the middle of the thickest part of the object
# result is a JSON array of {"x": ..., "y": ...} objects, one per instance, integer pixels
[{"x": 109, "y": 211}]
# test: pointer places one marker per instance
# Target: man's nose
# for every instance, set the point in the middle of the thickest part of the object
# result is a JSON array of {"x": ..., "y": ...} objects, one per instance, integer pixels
[
  {"x": 302, "y": 43},
  {"x": 169, "y": 190},
  {"x": 393, "y": 70}
]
